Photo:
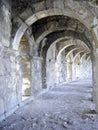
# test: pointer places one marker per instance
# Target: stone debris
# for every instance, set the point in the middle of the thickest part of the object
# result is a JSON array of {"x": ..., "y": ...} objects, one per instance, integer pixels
[{"x": 62, "y": 111}]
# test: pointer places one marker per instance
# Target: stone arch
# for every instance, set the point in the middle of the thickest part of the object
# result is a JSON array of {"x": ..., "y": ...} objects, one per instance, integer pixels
[
  {"x": 71, "y": 51},
  {"x": 78, "y": 53},
  {"x": 44, "y": 34},
  {"x": 63, "y": 34},
  {"x": 83, "y": 55},
  {"x": 62, "y": 43},
  {"x": 47, "y": 13},
  {"x": 88, "y": 58},
  {"x": 76, "y": 46},
  {"x": 37, "y": 16},
  {"x": 64, "y": 48}
]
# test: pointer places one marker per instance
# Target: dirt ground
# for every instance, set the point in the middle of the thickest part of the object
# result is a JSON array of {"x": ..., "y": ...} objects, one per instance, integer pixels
[{"x": 66, "y": 107}]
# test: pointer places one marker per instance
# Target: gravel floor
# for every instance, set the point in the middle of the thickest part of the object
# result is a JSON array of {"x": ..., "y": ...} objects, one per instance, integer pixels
[{"x": 66, "y": 107}]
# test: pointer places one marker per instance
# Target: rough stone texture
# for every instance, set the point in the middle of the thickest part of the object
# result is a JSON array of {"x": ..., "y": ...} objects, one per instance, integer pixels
[
  {"x": 9, "y": 82},
  {"x": 5, "y": 22},
  {"x": 68, "y": 106},
  {"x": 51, "y": 67},
  {"x": 69, "y": 69},
  {"x": 9, "y": 66},
  {"x": 25, "y": 66},
  {"x": 36, "y": 74},
  {"x": 95, "y": 81},
  {"x": 85, "y": 67},
  {"x": 47, "y": 22},
  {"x": 26, "y": 77},
  {"x": 62, "y": 68}
]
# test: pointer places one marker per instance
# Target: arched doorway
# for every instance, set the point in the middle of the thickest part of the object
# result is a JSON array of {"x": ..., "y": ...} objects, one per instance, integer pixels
[
  {"x": 44, "y": 14},
  {"x": 25, "y": 68}
]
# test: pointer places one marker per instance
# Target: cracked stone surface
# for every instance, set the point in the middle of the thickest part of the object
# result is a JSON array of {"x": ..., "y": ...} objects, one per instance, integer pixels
[{"x": 66, "y": 107}]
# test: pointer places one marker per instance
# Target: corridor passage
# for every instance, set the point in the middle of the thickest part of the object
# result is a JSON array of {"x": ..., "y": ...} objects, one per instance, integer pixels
[{"x": 66, "y": 107}]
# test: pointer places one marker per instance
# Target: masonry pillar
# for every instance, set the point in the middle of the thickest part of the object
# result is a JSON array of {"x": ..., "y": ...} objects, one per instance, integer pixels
[
  {"x": 36, "y": 75},
  {"x": 52, "y": 76},
  {"x": 69, "y": 71},
  {"x": 86, "y": 69},
  {"x": 95, "y": 80},
  {"x": 6, "y": 83},
  {"x": 73, "y": 71},
  {"x": 61, "y": 68},
  {"x": 5, "y": 22},
  {"x": 82, "y": 69},
  {"x": 10, "y": 82},
  {"x": 89, "y": 68}
]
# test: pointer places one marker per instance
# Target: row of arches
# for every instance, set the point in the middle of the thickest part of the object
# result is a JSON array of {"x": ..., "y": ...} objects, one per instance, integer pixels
[
  {"x": 62, "y": 63},
  {"x": 44, "y": 43},
  {"x": 68, "y": 64},
  {"x": 49, "y": 31}
]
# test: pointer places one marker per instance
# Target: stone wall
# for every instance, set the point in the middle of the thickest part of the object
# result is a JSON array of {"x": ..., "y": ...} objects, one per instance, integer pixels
[
  {"x": 26, "y": 76},
  {"x": 36, "y": 76},
  {"x": 10, "y": 84},
  {"x": 9, "y": 65},
  {"x": 51, "y": 67},
  {"x": 62, "y": 67},
  {"x": 5, "y": 22},
  {"x": 56, "y": 67}
]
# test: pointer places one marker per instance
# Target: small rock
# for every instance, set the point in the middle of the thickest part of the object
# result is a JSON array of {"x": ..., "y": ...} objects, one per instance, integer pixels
[{"x": 65, "y": 124}]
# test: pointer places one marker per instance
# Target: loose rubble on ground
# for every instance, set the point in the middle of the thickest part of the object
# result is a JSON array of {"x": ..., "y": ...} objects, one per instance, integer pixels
[{"x": 66, "y": 107}]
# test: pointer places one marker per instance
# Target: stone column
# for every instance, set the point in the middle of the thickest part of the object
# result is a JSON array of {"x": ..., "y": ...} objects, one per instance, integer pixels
[
  {"x": 44, "y": 72},
  {"x": 10, "y": 82},
  {"x": 7, "y": 88},
  {"x": 51, "y": 73},
  {"x": 18, "y": 78},
  {"x": 89, "y": 69},
  {"x": 95, "y": 80},
  {"x": 86, "y": 70},
  {"x": 69, "y": 71},
  {"x": 73, "y": 72},
  {"x": 62, "y": 67},
  {"x": 95, "y": 66},
  {"x": 82, "y": 69},
  {"x": 36, "y": 75}
]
